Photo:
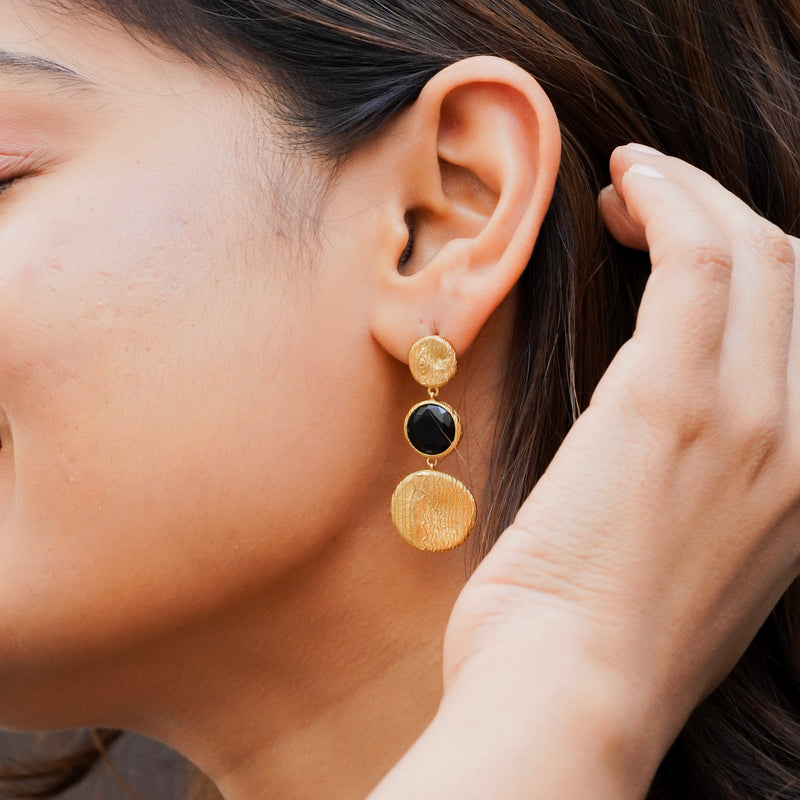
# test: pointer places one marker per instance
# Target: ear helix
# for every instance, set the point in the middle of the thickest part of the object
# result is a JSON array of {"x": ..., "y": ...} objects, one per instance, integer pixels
[{"x": 432, "y": 510}]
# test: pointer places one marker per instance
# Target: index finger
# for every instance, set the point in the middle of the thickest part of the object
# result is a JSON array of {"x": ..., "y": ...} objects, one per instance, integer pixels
[{"x": 685, "y": 304}]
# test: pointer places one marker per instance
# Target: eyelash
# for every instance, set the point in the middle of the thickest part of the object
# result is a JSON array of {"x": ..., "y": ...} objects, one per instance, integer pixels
[{"x": 6, "y": 184}]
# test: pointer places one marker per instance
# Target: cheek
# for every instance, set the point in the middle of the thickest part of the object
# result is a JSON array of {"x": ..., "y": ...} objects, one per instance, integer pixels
[
  {"x": 177, "y": 437},
  {"x": 82, "y": 311},
  {"x": 116, "y": 340}
]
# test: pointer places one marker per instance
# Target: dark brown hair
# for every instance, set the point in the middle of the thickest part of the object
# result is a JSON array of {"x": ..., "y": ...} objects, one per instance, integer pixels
[{"x": 716, "y": 83}]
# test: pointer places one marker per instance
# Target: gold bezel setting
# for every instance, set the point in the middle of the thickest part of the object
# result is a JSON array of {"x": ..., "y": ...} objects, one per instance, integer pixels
[{"x": 450, "y": 410}]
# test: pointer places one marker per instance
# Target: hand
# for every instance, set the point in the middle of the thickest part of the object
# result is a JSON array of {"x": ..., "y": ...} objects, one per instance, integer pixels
[{"x": 665, "y": 529}]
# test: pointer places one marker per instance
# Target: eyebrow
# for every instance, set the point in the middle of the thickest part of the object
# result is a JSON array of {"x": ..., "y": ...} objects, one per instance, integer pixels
[{"x": 33, "y": 66}]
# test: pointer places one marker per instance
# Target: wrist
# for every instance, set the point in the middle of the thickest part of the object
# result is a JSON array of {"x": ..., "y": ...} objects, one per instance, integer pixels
[{"x": 559, "y": 725}]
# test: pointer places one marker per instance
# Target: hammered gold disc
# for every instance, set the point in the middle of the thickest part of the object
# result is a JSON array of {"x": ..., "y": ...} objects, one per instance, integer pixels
[
  {"x": 432, "y": 362},
  {"x": 432, "y": 510}
]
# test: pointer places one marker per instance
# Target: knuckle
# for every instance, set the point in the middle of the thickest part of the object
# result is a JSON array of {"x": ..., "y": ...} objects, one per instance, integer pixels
[
  {"x": 668, "y": 410},
  {"x": 668, "y": 395},
  {"x": 636, "y": 400},
  {"x": 688, "y": 417},
  {"x": 770, "y": 244},
  {"x": 759, "y": 433},
  {"x": 711, "y": 258},
  {"x": 697, "y": 422}
]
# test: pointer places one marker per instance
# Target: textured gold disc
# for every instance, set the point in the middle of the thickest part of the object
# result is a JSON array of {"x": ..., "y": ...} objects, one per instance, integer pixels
[
  {"x": 432, "y": 362},
  {"x": 432, "y": 510}
]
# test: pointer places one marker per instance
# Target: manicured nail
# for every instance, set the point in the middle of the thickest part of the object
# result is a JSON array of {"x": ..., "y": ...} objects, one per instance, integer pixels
[
  {"x": 643, "y": 148},
  {"x": 648, "y": 172}
]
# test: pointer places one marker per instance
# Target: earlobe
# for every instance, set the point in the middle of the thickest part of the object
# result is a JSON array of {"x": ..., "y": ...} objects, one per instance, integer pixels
[{"x": 478, "y": 169}]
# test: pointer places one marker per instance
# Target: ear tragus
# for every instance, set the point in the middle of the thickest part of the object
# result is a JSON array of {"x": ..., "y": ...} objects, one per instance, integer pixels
[{"x": 477, "y": 171}]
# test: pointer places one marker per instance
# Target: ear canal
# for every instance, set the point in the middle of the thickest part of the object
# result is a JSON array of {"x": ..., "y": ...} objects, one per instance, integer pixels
[{"x": 475, "y": 159}]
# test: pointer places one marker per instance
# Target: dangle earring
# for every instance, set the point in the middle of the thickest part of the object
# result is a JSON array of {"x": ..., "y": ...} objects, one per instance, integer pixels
[{"x": 432, "y": 510}]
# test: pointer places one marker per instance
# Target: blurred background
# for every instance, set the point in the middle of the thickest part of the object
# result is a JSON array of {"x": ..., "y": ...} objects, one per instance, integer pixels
[{"x": 137, "y": 768}]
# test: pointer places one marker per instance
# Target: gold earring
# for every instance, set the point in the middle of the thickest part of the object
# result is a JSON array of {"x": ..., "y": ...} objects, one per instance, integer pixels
[{"x": 432, "y": 510}]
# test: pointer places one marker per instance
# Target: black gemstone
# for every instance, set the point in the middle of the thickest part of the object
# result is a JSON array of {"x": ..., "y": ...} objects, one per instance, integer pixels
[{"x": 431, "y": 429}]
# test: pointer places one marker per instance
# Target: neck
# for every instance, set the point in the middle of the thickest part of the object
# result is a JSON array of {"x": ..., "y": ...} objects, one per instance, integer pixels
[{"x": 314, "y": 692}]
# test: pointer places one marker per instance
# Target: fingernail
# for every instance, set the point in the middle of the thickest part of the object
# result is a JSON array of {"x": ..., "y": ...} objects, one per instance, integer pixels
[
  {"x": 648, "y": 172},
  {"x": 643, "y": 148}
]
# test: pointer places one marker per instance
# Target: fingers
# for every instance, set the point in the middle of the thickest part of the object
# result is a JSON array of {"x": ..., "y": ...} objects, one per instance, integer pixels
[
  {"x": 622, "y": 227},
  {"x": 692, "y": 225},
  {"x": 685, "y": 305}
]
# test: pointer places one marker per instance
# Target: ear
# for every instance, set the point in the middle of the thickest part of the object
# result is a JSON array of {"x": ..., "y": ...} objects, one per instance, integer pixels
[{"x": 476, "y": 159}]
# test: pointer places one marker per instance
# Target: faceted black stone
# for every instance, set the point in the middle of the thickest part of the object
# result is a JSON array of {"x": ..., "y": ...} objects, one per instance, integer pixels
[{"x": 431, "y": 429}]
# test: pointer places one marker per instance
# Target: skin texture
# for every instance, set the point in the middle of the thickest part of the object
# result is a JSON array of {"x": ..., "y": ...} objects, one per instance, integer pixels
[
  {"x": 201, "y": 401},
  {"x": 685, "y": 464},
  {"x": 196, "y": 401}
]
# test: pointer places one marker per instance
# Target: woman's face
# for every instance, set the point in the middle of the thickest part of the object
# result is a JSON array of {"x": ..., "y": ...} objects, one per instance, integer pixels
[{"x": 179, "y": 378}]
